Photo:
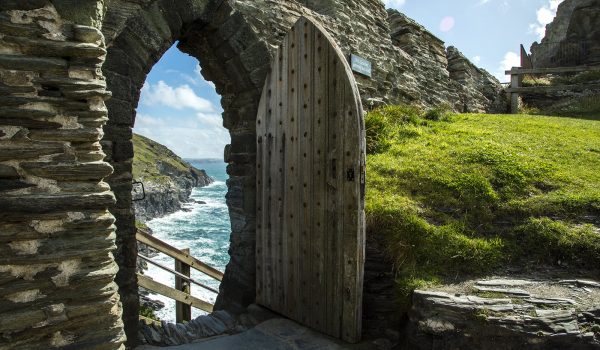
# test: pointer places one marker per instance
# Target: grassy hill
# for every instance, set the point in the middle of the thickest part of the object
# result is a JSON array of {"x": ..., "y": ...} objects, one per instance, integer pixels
[
  {"x": 148, "y": 154},
  {"x": 462, "y": 195},
  {"x": 168, "y": 179}
]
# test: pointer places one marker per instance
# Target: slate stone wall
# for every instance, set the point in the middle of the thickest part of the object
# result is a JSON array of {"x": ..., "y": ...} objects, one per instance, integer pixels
[
  {"x": 56, "y": 234},
  {"x": 65, "y": 154}
]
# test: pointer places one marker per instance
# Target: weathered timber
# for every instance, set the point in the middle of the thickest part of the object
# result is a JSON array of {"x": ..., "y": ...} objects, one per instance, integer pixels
[
  {"x": 516, "y": 80},
  {"x": 178, "y": 255},
  {"x": 173, "y": 293},
  {"x": 310, "y": 211},
  {"x": 183, "y": 312},
  {"x": 542, "y": 89},
  {"x": 178, "y": 274},
  {"x": 533, "y": 71}
]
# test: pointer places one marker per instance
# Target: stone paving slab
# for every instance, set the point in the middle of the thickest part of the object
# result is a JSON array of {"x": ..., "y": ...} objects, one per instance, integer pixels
[{"x": 274, "y": 334}]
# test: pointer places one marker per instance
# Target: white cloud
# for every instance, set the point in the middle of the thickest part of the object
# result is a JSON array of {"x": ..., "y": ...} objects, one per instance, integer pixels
[
  {"x": 212, "y": 119},
  {"x": 544, "y": 15},
  {"x": 188, "y": 137},
  {"x": 511, "y": 59},
  {"x": 394, "y": 3},
  {"x": 476, "y": 59},
  {"x": 147, "y": 121},
  {"x": 180, "y": 97},
  {"x": 483, "y": 2}
]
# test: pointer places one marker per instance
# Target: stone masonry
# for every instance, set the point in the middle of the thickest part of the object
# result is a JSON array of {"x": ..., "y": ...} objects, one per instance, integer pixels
[
  {"x": 68, "y": 255},
  {"x": 573, "y": 37}
]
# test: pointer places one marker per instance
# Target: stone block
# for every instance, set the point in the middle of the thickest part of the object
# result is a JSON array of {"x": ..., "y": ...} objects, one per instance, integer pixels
[
  {"x": 115, "y": 132},
  {"x": 120, "y": 112},
  {"x": 8, "y": 172},
  {"x": 122, "y": 150},
  {"x": 256, "y": 56},
  {"x": 243, "y": 143},
  {"x": 231, "y": 26}
]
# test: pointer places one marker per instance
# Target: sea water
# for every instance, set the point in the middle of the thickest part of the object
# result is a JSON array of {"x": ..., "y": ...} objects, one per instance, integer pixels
[{"x": 203, "y": 228}]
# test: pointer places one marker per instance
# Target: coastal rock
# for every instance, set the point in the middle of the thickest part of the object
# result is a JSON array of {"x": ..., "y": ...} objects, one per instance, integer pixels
[{"x": 168, "y": 180}]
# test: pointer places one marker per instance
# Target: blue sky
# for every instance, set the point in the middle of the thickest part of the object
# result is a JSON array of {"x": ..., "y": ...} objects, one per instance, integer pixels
[{"x": 181, "y": 110}]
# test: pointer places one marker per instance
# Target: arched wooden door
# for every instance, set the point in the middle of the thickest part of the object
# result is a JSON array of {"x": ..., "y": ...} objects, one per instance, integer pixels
[{"x": 310, "y": 186}]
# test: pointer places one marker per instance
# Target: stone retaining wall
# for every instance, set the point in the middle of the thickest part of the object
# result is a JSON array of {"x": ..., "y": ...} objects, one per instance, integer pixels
[{"x": 65, "y": 155}]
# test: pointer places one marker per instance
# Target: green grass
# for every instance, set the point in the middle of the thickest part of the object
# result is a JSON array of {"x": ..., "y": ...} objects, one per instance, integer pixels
[
  {"x": 147, "y": 155},
  {"x": 149, "y": 313},
  {"x": 464, "y": 195}
]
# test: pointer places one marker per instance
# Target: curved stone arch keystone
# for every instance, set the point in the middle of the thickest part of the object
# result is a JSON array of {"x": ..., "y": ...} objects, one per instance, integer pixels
[{"x": 237, "y": 61}]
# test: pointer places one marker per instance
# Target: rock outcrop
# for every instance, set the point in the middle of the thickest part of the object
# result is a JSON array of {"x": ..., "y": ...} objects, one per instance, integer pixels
[
  {"x": 445, "y": 76},
  {"x": 168, "y": 180},
  {"x": 507, "y": 313},
  {"x": 573, "y": 38},
  {"x": 477, "y": 89}
]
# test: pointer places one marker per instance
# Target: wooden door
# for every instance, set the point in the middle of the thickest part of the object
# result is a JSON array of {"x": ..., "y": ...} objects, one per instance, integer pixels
[{"x": 310, "y": 186}]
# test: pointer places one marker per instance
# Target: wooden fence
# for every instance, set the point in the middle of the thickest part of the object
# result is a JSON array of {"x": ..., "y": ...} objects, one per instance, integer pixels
[
  {"x": 516, "y": 80},
  {"x": 184, "y": 262}
]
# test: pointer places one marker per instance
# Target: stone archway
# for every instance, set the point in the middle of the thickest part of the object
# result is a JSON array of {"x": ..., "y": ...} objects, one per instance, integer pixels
[{"x": 236, "y": 61}]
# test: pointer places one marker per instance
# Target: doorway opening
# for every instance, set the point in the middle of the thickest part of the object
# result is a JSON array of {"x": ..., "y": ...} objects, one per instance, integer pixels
[
  {"x": 236, "y": 61},
  {"x": 178, "y": 145}
]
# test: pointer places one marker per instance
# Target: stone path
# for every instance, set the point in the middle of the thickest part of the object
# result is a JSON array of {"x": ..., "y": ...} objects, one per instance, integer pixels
[{"x": 274, "y": 334}]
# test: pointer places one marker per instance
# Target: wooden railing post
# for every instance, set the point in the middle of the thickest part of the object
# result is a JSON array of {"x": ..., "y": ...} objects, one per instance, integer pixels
[
  {"x": 515, "y": 83},
  {"x": 183, "y": 312}
]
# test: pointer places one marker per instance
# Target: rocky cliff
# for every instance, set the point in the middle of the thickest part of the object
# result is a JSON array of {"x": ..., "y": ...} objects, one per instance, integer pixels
[
  {"x": 573, "y": 38},
  {"x": 168, "y": 180}
]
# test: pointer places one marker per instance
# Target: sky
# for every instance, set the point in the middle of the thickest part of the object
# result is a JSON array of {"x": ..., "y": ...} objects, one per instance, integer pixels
[
  {"x": 488, "y": 32},
  {"x": 181, "y": 110}
]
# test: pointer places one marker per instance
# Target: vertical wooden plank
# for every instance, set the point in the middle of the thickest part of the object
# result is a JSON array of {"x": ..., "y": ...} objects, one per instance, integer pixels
[
  {"x": 281, "y": 106},
  {"x": 271, "y": 219},
  {"x": 289, "y": 174},
  {"x": 351, "y": 234},
  {"x": 262, "y": 204},
  {"x": 305, "y": 119},
  {"x": 260, "y": 209},
  {"x": 341, "y": 212},
  {"x": 319, "y": 189},
  {"x": 335, "y": 199},
  {"x": 183, "y": 312},
  {"x": 515, "y": 82}
]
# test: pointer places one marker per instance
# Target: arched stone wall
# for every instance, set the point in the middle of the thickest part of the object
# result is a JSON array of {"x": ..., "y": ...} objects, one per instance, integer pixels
[{"x": 233, "y": 58}]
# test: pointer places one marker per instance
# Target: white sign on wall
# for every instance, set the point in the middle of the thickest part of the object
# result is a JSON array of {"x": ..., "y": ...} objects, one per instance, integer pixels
[{"x": 361, "y": 65}]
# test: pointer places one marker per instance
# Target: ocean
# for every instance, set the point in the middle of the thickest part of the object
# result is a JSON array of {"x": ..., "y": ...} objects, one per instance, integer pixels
[{"x": 204, "y": 228}]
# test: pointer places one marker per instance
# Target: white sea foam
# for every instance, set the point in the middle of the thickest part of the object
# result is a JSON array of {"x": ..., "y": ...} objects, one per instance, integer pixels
[{"x": 204, "y": 228}]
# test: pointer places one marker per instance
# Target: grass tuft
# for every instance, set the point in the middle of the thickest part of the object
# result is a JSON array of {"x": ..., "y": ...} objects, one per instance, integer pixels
[{"x": 467, "y": 194}]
